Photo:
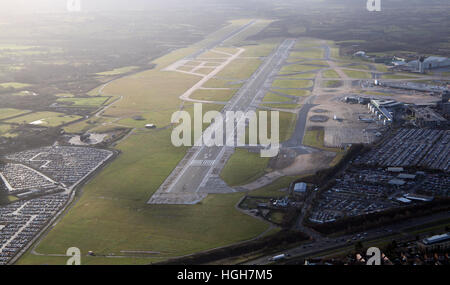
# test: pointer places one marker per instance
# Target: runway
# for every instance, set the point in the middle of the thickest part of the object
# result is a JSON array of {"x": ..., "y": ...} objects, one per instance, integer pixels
[{"x": 197, "y": 174}]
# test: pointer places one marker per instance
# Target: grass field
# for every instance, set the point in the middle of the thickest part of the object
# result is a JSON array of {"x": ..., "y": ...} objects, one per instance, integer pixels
[
  {"x": 221, "y": 83},
  {"x": 85, "y": 125},
  {"x": 280, "y": 83},
  {"x": 315, "y": 138},
  {"x": 118, "y": 71},
  {"x": 10, "y": 112},
  {"x": 294, "y": 92},
  {"x": 318, "y": 62},
  {"x": 152, "y": 91},
  {"x": 281, "y": 106},
  {"x": 213, "y": 95},
  {"x": 316, "y": 53},
  {"x": 271, "y": 97},
  {"x": 287, "y": 122},
  {"x": 273, "y": 189},
  {"x": 47, "y": 119},
  {"x": 83, "y": 102},
  {"x": 357, "y": 74},
  {"x": 15, "y": 47},
  {"x": 332, "y": 83},
  {"x": 259, "y": 50},
  {"x": 300, "y": 76},
  {"x": 360, "y": 66},
  {"x": 240, "y": 69},
  {"x": 244, "y": 167},
  {"x": 64, "y": 95},
  {"x": 330, "y": 73},
  {"x": 292, "y": 68},
  {"x": 15, "y": 85},
  {"x": 4, "y": 129}
]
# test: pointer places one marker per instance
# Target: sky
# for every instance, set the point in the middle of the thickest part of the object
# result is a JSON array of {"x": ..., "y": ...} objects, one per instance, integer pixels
[{"x": 40, "y": 6}]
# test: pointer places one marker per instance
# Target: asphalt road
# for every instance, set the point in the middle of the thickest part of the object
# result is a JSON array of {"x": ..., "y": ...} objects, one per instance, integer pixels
[{"x": 326, "y": 244}]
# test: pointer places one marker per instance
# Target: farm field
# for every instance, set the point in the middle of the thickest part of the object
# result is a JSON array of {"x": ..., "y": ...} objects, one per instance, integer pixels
[
  {"x": 45, "y": 119},
  {"x": 83, "y": 102},
  {"x": 15, "y": 85},
  {"x": 10, "y": 112}
]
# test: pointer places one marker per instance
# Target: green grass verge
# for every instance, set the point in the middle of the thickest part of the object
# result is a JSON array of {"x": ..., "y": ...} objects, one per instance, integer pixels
[
  {"x": 281, "y": 83},
  {"x": 357, "y": 74},
  {"x": 240, "y": 69},
  {"x": 244, "y": 167},
  {"x": 213, "y": 95},
  {"x": 293, "y": 92},
  {"x": 271, "y": 97},
  {"x": 330, "y": 73},
  {"x": 292, "y": 68}
]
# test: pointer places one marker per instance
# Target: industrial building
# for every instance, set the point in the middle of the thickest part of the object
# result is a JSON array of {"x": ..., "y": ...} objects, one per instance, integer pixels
[
  {"x": 423, "y": 64},
  {"x": 427, "y": 117},
  {"x": 385, "y": 109},
  {"x": 416, "y": 86},
  {"x": 444, "y": 105},
  {"x": 435, "y": 243},
  {"x": 300, "y": 188}
]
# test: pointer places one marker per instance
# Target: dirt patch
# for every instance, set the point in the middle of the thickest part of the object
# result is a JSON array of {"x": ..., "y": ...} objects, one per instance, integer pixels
[
  {"x": 285, "y": 158},
  {"x": 309, "y": 163}
]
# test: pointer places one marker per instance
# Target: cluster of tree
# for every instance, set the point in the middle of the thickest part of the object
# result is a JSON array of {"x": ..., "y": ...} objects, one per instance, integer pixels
[
  {"x": 414, "y": 27},
  {"x": 270, "y": 243}
]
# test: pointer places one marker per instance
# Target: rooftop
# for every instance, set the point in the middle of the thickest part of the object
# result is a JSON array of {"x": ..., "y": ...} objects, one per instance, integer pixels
[{"x": 437, "y": 239}]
